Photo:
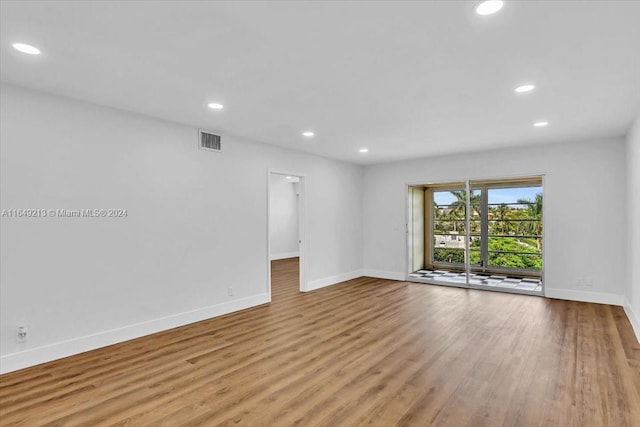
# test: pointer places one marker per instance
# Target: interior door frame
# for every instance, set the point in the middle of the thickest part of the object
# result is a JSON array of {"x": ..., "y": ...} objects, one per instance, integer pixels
[{"x": 302, "y": 208}]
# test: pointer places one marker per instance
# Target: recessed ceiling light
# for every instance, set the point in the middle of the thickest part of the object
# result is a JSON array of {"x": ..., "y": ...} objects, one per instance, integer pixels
[
  {"x": 288, "y": 177},
  {"x": 525, "y": 88},
  {"x": 489, "y": 7},
  {"x": 308, "y": 133},
  {"x": 364, "y": 150},
  {"x": 26, "y": 48},
  {"x": 541, "y": 124},
  {"x": 215, "y": 106}
]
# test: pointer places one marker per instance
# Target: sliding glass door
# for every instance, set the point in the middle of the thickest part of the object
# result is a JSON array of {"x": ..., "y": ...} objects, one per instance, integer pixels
[
  {"x": 449, "y": 227},
  {"x": 483, "y": 233}
]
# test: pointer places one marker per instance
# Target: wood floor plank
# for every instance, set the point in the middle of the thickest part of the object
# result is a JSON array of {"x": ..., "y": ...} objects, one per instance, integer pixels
[{"x": 363, "y": 352}]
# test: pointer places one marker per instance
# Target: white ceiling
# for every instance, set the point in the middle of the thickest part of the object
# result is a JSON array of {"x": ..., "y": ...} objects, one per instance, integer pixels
[{"x": 403, "y": 78}]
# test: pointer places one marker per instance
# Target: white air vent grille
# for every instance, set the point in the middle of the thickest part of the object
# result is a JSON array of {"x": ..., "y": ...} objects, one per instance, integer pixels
[{"x": 209, "y": 141}]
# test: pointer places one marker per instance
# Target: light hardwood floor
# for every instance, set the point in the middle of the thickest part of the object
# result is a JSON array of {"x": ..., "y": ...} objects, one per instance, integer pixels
[{"x": 365, "y": 352}]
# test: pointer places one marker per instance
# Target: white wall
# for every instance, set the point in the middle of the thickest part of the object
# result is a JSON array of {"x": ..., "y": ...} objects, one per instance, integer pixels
[
  {"x": 632, "y": 306},
  {"x": 283, "y": 226},
  {"x": 196, "y": 225},
  {"x": 82, "y": 283},
  {"x": 584, "y": 212}
]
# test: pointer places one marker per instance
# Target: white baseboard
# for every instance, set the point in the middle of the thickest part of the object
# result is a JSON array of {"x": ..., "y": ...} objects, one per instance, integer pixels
[
  {"x": 633, "y": 318},
  {"x": 381, "y": 274},
  {"x": 284, "y": 255},
  {"x": 14, "y": 361},
  {"x": 35, "y": 356},
  {"x": 332, "y": 280},
  {"x": 584, "y": 296}
]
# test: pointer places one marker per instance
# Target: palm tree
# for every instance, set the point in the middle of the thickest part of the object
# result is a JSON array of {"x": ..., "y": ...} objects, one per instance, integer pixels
[
  {"x": 461, "y": 201},
  {"x": 440, "y": 215},
  {"x": 455, "y": 215},
  {"x": 534, "y": 207},
  {"x": 503, "y": 213},
  {"x": 458, "y": 207},
  {"x": 534, "y": 211}
]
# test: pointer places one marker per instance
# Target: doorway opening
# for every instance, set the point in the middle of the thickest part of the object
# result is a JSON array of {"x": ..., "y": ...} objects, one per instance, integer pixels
[
  {"x": 485, "y": 234},
  {"x": 285, "y": 230}
]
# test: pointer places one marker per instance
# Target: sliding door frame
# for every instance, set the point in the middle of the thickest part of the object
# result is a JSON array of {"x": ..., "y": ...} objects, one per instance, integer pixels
[{"x": 468, "y": 183}]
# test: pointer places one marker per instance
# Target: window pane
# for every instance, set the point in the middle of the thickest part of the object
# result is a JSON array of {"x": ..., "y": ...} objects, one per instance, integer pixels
[
  {"x": 448, "y": 255},
  {"x": 474, "y": 253},
  {"x": 515, "y": 227},
  {"x": 511, "y": 222},
  {"x": 449, "y": 226}
]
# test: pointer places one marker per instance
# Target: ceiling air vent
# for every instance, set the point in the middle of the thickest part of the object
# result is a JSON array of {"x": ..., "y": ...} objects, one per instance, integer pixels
[{"x": 209, "y": 141}]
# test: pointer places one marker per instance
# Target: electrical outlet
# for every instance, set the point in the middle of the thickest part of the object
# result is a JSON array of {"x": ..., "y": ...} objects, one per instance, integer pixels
[
  {"x": 230, "y": 292},
  {"x": 584, "y": 282},
  {"x": 22, "y": 335}
]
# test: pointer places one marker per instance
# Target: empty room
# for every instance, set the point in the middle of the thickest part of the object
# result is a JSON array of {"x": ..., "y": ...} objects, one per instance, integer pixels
[{"x": 320, "y": 213}]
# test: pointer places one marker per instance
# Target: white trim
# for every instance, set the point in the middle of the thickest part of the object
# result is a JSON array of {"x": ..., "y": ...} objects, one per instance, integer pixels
[
  {"x": 381, "y": 274},
  {"x": 408, "y": 254},
  {"x": 634, "y": 319},
  {"x": 268, "y": 230},
  {"x": 302, "y": 232},
  {"x": 584, "y": 296},
  {"x": 332, "y": 280},
  {"x": 47, "y": 353},
  {"x": 302, "y": 214},
  {"x": 467, "y": 225},
  {"x": 284, "y": 255},
  {"x": 543, "y": 274}
]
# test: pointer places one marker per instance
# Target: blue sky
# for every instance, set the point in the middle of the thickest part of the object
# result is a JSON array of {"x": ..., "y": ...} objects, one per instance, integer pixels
[{"x": 496, "y": 195}]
